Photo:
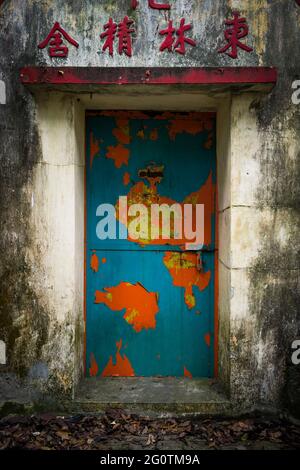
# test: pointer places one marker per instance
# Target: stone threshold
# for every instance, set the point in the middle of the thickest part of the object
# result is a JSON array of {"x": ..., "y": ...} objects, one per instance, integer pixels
[{"x": 149, "y": 394}]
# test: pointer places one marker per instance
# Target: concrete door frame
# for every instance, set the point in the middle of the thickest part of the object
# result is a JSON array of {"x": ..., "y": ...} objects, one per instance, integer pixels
[{"x": 58, "y": 212}]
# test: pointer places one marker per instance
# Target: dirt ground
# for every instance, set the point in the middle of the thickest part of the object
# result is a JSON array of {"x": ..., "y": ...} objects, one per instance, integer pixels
[{"x": 119, "y": 430}]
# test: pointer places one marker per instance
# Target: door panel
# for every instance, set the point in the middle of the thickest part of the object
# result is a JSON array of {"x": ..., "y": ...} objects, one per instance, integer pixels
[{"x": 149, "y": 303}]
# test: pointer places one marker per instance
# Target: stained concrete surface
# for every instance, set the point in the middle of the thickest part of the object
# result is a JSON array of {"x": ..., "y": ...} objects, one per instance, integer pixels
[{"x": 149, "y": 393}]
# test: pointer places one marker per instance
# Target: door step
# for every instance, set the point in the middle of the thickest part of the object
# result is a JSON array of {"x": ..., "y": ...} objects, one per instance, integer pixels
[{"x": 151, "y": 395}]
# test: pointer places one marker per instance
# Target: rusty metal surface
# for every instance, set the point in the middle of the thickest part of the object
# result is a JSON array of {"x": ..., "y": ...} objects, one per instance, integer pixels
[
  {"x": 150, "y": 302},
  {"x": 155, "y": 75}
]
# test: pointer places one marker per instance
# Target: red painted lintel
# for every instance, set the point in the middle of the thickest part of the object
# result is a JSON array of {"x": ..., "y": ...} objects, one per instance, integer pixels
[{"x": 151, "y": 76}]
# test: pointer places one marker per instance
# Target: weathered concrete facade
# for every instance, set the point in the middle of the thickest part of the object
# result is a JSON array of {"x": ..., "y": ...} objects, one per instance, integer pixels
[{"x": 42, "y": 178}]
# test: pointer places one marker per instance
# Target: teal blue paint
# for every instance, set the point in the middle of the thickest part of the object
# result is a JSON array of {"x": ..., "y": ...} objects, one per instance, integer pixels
[{"x": 178, "y": 339}]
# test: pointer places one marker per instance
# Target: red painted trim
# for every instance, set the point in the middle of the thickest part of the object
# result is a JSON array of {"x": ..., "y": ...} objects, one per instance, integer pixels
[{"x": 152, "y": 76}]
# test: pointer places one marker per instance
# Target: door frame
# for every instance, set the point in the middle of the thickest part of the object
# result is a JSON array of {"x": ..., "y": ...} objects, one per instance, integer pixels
[{"x": 68, "y": 92}]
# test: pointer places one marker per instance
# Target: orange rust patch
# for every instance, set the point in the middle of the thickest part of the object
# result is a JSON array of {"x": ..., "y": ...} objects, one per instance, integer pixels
[
  {"x": 187, "y": 373},
  {"x": 183, "y": 270},
  {"x": 94, "y": 148},
  {"x": 126, "y": 178},
  {"x": 191, "y": 124},
  {"x": 103, "y": 260},
  {"x": 119, "y": 154},
  {"x": 179, "y": 126},
  {"x": 94, "y": 262},
  {"x": 194, "y": 115},
  {"x": 121, "y": 132},
  {"x": 140, "y": 305},
  {"x": 122, "y": 367},
  {"x": 207, "y": 339},
  {"x": 209, "y": 142},
  {"x": 154, "y": 135},
  {"x": 120, "y": 114},
  {"x": 206, "y": 196},
  {"x": 141, "y": 193},
  {"x": 94, "y": 366}
]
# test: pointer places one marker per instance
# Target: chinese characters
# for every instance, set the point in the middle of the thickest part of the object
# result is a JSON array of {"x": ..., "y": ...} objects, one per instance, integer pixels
[
  {"x": 55, "y": 41},
  {"x": 123, "y": 31},
  {"x": 121, "y": 34},
  {"x": 237, "y": 30},
  {"x": 179, "y": 45}
]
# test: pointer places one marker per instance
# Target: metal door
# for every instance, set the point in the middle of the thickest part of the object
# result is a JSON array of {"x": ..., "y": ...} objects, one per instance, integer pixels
[{"x": 150, "y": 303}]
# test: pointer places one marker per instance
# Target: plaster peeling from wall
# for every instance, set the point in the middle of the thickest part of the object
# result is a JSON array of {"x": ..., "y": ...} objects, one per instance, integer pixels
[
  {"x": 2, "y": 353},
  {"x": 2, "y": 92}
]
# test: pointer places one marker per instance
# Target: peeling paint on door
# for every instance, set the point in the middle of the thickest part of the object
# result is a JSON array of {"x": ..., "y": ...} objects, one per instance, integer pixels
[
  {"x": 143, "y": 303},
  {"x": 120, "y": 366},
  {"x": 140, "y": 305}
]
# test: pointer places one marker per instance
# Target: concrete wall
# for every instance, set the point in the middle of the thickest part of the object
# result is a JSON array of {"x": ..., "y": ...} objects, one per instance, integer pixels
[{"x": 41, "y": 190}]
